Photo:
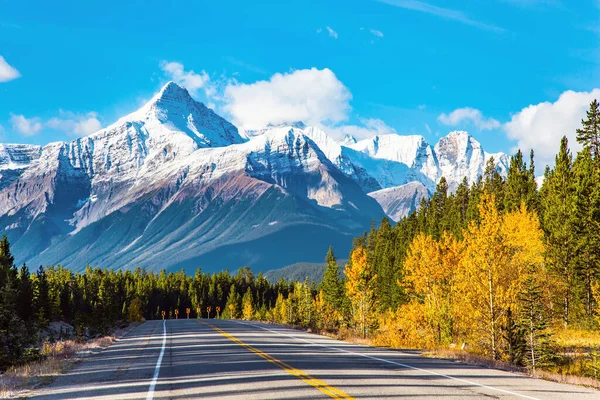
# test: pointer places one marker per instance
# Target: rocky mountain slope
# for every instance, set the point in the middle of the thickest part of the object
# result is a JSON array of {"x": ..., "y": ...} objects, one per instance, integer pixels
[{"x": 174, "y": 185}]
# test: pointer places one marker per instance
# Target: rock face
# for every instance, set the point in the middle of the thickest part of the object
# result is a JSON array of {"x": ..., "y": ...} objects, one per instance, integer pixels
[
  {"x": 399, "y": 201},
  {"x": 173, "y": 185}
]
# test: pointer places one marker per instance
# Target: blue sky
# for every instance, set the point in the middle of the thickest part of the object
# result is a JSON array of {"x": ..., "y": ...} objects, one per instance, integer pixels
[{"x": 513, "y": 73}]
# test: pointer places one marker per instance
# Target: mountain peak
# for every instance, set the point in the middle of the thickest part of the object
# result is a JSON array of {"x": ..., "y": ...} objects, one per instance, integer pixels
[
  {"x": 348, "y": 140},
  {"x": 173, "y": 92},
  {"x": 459, "y": 134},
  {"x": 294, "y": 124}
]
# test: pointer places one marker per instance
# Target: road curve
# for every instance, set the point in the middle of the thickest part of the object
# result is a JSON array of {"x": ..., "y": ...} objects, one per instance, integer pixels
[{"x": 223, "y": 359}]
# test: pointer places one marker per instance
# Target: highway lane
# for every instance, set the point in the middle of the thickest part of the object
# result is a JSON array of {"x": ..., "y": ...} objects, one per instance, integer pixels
[{"x": 221, "y": 359}]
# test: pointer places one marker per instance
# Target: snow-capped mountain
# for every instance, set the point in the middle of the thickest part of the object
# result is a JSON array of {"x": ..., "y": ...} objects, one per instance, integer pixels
[{"x": 174, "y": 185}]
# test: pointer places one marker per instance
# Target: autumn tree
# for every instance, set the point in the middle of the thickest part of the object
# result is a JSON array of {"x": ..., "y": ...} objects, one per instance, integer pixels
[
  {"x": 248, "y": 305},
  {"x": 360, "y": 285},
  {"x": 430, "y": 276},
  {"x": 488, "y": 280}
]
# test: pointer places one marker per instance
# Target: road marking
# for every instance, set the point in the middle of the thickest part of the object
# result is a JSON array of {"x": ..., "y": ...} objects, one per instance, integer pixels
[
  {"x": 150, "y": 395},
  {"x": 318, "y": 384},
  {"x": 393, "y": 362}
]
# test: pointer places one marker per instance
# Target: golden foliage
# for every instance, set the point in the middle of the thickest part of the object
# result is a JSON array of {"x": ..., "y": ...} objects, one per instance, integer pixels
[
  {"x": 360, "y": 285},
  {"x": 460, "y": 291}
]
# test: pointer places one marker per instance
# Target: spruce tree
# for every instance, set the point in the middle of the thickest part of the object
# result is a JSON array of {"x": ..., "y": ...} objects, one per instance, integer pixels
[
  {"x": 589, "y": 133},
  {"x": 558, "y": 224},
  {"x": 331, "y": 284},
  {"x": 25, "y": 308},
  {"x": 42, "y": 298},
  {"x": 6, "y": 259},
  {"x": 587, "y": 224},
  {"x": 493, "y": 183},
  {"x": 538, "y": 351},
  {"x": 232, "y": 306}
]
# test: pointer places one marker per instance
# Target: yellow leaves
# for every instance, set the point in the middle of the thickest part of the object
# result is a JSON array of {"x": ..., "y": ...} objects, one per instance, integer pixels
[
  {"x": 430, "y": 269},
  {"x": 523, "y": 235},
  {"x": 360, "y": 284},
  {"x": 461, "y": 289}
]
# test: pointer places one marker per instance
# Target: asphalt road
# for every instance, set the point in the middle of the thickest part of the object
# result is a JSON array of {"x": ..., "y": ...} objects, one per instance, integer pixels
[{"x": 219, "y": 359}]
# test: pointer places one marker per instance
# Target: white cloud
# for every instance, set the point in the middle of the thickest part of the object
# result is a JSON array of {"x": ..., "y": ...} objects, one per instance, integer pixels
[
  {"x": 190, "y": 80},
  {"x": 540, "y": 126},
  {"x": 377, "y": 33},
  {"x": 428, "y": 128},
  {"x": 446, "y": 13},
  {"x": 468, "y": 114},
  {"x": 310, "y": 95},
  {"x": 7, "y": 72},
  {"x": 370, "y": 127},
  {"x": 75, "y": 124},
  {"x": 67, "y": 121},
  {"x": 331, "y": 32},
  {"x": 25, "y": 126}
]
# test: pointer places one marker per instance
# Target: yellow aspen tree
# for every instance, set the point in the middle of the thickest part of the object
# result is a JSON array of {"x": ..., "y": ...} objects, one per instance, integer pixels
[
  {"x": 326, "y": 315},
  {"x": 248, "y": 305},
  {"x": 430, "y": 268},
  {"x": 488, "y": 276},
  {"x": 360, "y": 285}
]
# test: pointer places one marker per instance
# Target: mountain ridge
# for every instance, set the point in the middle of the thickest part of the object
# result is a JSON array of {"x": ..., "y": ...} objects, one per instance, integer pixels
[{"x": 174, "y": 182}]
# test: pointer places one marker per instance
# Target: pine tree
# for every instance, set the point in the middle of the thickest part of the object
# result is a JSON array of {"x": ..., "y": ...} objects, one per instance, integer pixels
[
  {"x": 493, "y": 183},
  {"x": 14, "y": 335},
  {"x": 533, "y": 319},
  {"x": 331, "y": 284},
  {"x": 587, "y": 223},
  {"x": 589, "y": 133},
  {"x": 6, "y": 259},
  {"x": 25, "y": 309},
  {"x": 520, "y": 183},
  {"x": 558, "y": 223},
  {"x": 514, "y": 335},
  {"x": 42, "y": 298},
  {"x": 233, "y": 303}
]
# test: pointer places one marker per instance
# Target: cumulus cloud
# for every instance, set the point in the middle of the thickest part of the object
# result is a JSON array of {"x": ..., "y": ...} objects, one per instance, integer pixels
[
  {"x": 310, "y": 95},
  {"x": 540, "y": 126},
  {"x": 25, "y": 126},
  {"x": 331, "y": 32},
  {"x": 190, "y": 80},
  {"x": 369, "y": 127},
  {"x": 75, "y": 124},
  {"x": 67, "y": 121},
  {"x": 377, "y": 33},
  {"x": 7, "y": 72},
  {"x": 470, "y": 115}
]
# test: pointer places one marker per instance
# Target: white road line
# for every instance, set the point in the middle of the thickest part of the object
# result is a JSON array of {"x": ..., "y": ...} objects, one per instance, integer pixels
[
  {"x": 393, "y": 362},
  {"x": 150, "y": 395}
]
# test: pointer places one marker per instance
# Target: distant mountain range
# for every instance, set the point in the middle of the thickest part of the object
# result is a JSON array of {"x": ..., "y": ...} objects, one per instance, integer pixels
[{"x": 174, "y": 185}]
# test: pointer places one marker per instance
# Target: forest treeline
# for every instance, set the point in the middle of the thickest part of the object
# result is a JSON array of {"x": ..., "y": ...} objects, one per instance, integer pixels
[{"x": 496, "y": 268}]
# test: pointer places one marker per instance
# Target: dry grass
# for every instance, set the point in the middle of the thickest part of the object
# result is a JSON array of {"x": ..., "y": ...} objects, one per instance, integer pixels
[
  {"x": 575, "y": 338},
  {"x": 59, "y": 358},
  {"x": 470, "y": 358}
]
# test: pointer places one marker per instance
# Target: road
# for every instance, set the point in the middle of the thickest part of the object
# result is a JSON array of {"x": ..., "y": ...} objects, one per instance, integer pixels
[{"x": 223, "y": 359}]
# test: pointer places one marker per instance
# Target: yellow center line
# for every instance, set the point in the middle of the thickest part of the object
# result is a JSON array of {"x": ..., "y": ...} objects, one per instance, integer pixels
[{"x": 317, "y": 383}]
